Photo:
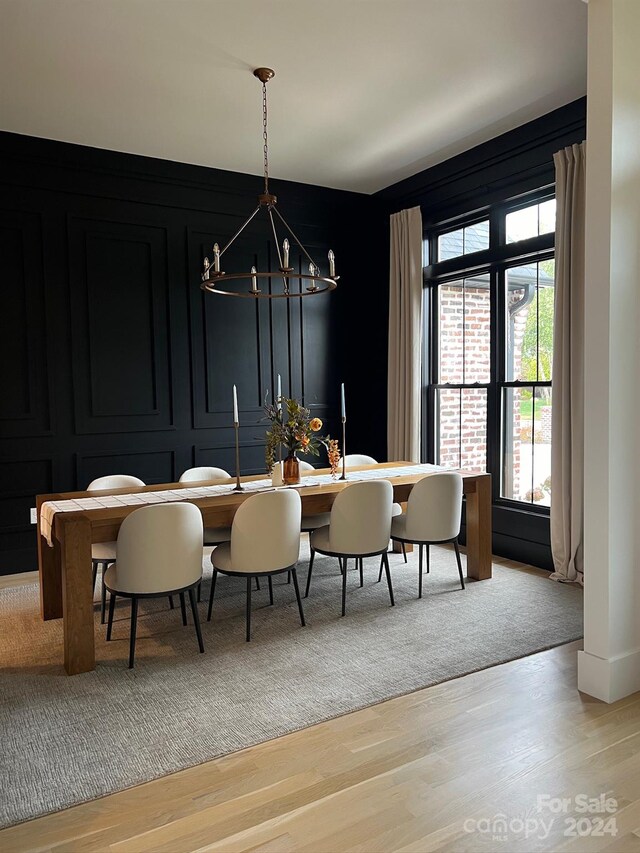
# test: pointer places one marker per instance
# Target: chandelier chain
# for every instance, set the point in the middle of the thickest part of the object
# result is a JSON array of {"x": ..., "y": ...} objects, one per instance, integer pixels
[{"x": 265, "y": 138}]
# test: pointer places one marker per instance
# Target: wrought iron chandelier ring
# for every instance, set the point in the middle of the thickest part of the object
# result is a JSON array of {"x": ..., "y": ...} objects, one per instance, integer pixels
[{"x": 329, "y": 284}]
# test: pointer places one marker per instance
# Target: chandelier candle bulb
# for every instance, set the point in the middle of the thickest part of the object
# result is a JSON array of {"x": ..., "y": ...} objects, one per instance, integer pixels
[
  {"x": 285, "y": 254},
  {"x": 332, "y": 264},
  {"x": 236, "y": 419},
  {"x": 216, "y": 257},
  {"x": 254, "y": 280}
]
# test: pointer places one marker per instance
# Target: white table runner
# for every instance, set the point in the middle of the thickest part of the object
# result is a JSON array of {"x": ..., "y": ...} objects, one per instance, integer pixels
[{"x": 50, "y": 508}]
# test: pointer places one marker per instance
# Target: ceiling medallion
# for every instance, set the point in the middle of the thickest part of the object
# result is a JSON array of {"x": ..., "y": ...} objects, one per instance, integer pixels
[{"x": 215, "y": 280}]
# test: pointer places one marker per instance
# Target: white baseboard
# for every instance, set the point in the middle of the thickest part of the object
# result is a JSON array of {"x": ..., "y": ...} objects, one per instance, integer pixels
[{"x": 609, "y": 679}]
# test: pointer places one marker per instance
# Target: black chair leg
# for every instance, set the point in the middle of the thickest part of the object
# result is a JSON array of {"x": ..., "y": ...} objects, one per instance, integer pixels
[
  {"x": 313, "y": 553},
  {"x": 360, "y": 560},
  {"x": 183, "y": 608},
  {"x": 211, "y": 593},
  {"x": 381, "y": 568},
  {"x": 95, "y": 575},
  {"x": 419, "y": 571},
  {"x": 270, "y": 589},
  {"x": 196, "y": 618},
  {"x": 257, "y": 582},
  {"x": 457, "y": 550},
  {"x": 134, "y": 624},
  {"x": 103, "y": 604},
  {"x": 344, "y": 589},
  {"x": 112, "y": 604},
  {"x": 297, "y": 589},
  {"x": 288, "y": 577},
  {"x": 249, "y": 609},
  {"x": 200, "y": 592},
  {"x": 386, "y": 567},
  {"x": 404, "y": 552},
  {"x": 171, "y": 604},
  {"x": 427, "y": 547}
]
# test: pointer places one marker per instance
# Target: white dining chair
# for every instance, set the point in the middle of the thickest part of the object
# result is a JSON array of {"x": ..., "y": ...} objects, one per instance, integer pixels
[
  {"x": 159, "y": 554},
  {"x": 265, "y": 540},
  {"x": 433, "y": 516},
  {"x": 204, "y": 474},
  {"x": 319, "y": 519},
  {"x": 211, "y": 535},
  {"x": 360, "y": 527},
  {"x": 353, "y": 460},
  {"x": 104, "y": 553}
]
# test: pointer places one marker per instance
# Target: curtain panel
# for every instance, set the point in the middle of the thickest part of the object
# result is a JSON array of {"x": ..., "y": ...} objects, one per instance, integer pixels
[
  {"x": 405, "y": 336},
  {"x": 567, "y": 396}
]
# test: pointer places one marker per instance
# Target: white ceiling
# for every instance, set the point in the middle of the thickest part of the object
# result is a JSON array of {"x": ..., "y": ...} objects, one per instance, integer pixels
[{"x": 366, "y": 92}]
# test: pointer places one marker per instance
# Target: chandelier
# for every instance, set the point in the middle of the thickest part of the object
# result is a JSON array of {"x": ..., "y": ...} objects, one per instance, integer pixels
[{"x": 215, "y": 280}]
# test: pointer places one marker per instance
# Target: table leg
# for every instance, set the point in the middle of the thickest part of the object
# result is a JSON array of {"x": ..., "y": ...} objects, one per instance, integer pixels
[
  {"x": 77, "y": 596},
  {"x": 50, "y": 568},
  {"x": 479, "y": 529}
]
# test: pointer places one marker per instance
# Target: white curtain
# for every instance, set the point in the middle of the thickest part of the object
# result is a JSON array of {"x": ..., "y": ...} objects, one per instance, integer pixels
[
  {"x": 405, "y": 336},
  {"x": 567, "y": 431}
]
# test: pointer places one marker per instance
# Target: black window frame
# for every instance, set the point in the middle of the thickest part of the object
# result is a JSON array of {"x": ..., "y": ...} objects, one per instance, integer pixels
[{"x": 495, "y": 261}]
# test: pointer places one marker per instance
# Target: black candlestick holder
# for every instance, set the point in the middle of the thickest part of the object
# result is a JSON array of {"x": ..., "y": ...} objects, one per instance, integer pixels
[
  {"x": 238, "y": 486},
  {"x": 344, "y": 448}
]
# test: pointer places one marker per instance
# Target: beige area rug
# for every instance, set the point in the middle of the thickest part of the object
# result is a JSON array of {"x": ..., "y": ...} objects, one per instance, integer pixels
[{"x": 68, "y": 740}]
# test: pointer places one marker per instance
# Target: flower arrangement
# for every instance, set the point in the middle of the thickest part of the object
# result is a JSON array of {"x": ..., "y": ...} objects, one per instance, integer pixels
[{"x": 293, "y": 427}]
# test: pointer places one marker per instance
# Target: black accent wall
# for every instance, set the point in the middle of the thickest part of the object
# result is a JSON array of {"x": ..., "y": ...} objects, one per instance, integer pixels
[{"x": 112, "y": 360}]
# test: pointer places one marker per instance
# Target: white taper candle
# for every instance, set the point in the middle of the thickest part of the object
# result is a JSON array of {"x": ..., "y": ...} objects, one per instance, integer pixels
[
  {"x": 343, "y": 410},
  {"x": 236, "y": 419}
]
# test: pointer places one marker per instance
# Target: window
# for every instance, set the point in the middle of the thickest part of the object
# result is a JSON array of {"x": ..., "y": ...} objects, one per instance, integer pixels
[
  {"x": 490, "y": 344},
  {"x": 463, "y": 241}
]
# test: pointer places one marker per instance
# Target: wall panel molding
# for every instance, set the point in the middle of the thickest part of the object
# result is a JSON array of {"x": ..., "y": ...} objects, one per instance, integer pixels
[
  {"x": 25, "y": 395},
  {"x": 120, "y": 326}
]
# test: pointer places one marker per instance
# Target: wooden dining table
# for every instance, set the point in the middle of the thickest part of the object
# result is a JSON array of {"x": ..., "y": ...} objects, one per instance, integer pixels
[{"x": 66, "y": 588}]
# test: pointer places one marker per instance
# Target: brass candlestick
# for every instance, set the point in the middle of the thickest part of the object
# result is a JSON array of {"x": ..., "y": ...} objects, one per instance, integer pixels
[
  {"x": 344, "y": 447},
  {"x": 238, "y": 486}
]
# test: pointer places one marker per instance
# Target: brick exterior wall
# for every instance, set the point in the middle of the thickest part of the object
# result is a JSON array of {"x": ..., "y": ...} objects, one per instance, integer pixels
[{"x": 463, "y": 439}]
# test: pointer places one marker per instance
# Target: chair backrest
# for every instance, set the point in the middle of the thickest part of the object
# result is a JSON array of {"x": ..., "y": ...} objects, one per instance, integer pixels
[
  {"x": 114, "y": 481},
  {"x": 265, "y": 534},
  {"x": 434, "y": 508},
  {"x": 351, "y": 460},
  {"x": 203, "y": 474},
  {"x": 160, "y": 548},
  {"x": 361, "y": 518},
  {"x": 306, "y": 466}
]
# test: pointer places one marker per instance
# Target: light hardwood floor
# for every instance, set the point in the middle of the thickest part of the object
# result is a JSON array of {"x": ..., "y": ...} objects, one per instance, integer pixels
[{"x": 412, "y": 774}]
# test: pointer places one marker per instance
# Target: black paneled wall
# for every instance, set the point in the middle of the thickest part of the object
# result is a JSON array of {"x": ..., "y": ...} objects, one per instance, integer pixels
[{"x": 112, "y": 360}]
